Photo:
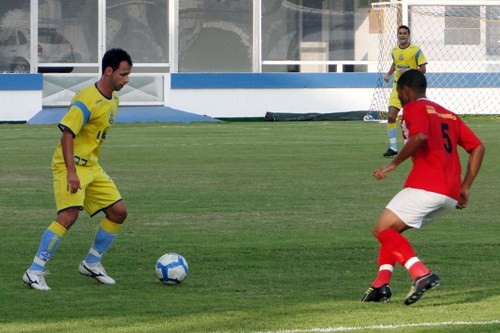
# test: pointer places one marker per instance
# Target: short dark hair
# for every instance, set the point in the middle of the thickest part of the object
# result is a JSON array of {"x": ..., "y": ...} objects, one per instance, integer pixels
[
  {"x": 414, "y": 79},
  {"x": 405, "y": 27},
  {"x": 113, "y": 57}
]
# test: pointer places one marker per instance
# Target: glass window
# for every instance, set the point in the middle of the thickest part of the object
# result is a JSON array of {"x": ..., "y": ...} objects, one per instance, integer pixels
[
  {"x": 308, "y": 30},
  {"x": 140, "y": 28},
  {"x": 67, "y": 33},
  {"x": 215, "y": 36},
  {"x": 460, "y": 31},
  {"x": 14, "y": 36},
  {"x": 493, "y": 31},
  {"x": 22, "y": 38}
]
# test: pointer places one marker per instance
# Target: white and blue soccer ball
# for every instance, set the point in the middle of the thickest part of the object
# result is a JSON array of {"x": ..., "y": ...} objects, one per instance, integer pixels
[{"x": 172, "y": 268}]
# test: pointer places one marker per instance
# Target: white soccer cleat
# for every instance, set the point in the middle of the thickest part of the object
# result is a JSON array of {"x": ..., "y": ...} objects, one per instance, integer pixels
[
  {"x": 96, "y": 271},
  {"x": 36, "y": 279}
]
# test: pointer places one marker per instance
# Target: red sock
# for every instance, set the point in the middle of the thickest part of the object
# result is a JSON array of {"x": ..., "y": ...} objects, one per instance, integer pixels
[
  {"x": 383, "y": 277},
  {"x": 402, "y": 252},
  {"x": 416, "y": 268},
  {"x": 386, "y": 264}
]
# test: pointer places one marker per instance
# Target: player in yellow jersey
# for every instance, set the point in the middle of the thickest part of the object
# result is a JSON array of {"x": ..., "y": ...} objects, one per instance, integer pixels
[
  {"x": 79, "y": 181},
  {"x": 405, "y": 56}
]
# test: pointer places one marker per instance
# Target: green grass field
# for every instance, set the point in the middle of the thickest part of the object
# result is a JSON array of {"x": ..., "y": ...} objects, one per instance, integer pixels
[{"x": 274, "y": 219}]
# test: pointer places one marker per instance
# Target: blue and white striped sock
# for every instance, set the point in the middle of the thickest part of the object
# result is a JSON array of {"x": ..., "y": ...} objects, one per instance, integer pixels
[
  {"x": 48, "y": 245},
  {"x": 103, "y": 239}
]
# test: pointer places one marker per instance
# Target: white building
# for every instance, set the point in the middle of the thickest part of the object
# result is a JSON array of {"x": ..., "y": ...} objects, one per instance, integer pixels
[{"x": 238, "y": 58}]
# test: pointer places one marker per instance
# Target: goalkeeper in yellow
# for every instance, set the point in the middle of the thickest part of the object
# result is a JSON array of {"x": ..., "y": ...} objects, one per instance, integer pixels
[
  {"x": 79, "y": 181},
  {"x": 405, "y": 56}
]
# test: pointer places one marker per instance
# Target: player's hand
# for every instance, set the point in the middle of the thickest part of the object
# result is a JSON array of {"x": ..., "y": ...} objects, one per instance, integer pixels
[
  {"x": 379, "y": 173},
  {"x": 73, "y": 182},
  {"x": 464, "y": 199},
  {"x": 386, "y": 78}
]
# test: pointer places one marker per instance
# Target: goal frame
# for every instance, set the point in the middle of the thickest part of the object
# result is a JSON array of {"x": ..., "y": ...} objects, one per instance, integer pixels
[
  {"x": 405, "y": 4},
  {"x": 376, "y": 111}
]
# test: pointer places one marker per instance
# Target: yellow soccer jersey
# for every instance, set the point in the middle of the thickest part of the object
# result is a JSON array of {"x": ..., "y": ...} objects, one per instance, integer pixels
[
  {"x": 89, "y": 117},
  {"x": 408, "y": 58}
]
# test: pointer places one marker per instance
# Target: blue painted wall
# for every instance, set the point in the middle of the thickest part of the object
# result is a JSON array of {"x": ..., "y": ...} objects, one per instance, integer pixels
[
  {"x": 316, "y": 80},
  {"x": 21, "y": 81}
]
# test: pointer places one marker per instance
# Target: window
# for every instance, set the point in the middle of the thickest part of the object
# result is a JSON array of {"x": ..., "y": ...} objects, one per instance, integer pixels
[
  {"x": 460, "y": 29},
  {"x": 492, "y": 31},
  {"x": 14, "y": 36},
  {"x": 313, "y": 30},
  {"x": 215, "y": 36},
  {"x": 140, "y": 28}
]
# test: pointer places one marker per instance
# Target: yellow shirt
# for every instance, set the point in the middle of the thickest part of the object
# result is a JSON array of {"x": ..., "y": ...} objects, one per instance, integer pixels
[
  {"x": 89, "y": 117},
  {"x": 410, "y": 57}
]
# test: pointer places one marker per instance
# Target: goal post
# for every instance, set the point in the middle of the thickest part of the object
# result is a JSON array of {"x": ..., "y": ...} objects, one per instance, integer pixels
[{"x": 461, "y": 41}]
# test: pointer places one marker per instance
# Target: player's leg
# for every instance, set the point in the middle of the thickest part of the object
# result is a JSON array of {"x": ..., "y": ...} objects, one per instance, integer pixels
[
  {"x": 34, "y": 277},
  {"x": 109, "y": 227},
  {"x": 411, "y": 208},
  {"x": 102, "y": 195},
  {"x": 401, "y": 250},
  {"x": 402, "y": 213},
  {"x": 393, "y": 247},
  {"x": 386, "y": 264},
  {"x": 68, "y": 206},
  {"x": 423, "y": 278},
  {"x": 392, "y": 129},
  {"x": 437, "y": 205},
  {"x": 380, "y": 291}
]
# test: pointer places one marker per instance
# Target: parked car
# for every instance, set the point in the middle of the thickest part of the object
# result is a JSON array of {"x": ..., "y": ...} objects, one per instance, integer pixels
[{"x": 52, "y": 48}]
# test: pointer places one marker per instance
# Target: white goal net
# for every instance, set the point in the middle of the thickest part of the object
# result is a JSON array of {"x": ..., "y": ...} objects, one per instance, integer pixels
[{"x": 461, "y": 41}]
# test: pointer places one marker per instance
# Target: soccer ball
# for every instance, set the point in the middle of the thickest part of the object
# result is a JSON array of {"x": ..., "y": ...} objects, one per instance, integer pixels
[{"x": 171, "y": 268}]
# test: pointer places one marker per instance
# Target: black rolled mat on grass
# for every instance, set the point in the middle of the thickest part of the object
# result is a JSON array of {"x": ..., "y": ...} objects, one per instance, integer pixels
[{"x": 349, "y": 115}]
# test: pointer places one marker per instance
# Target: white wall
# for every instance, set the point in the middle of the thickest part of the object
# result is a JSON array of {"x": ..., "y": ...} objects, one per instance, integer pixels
[
  {"x": 227, "y": 101},
  {"x": 253, "y": 95},
  {"x": 19, "y": 105},
  {"x": 20, "y": 96},
  {"x": 240, "y": 103}
]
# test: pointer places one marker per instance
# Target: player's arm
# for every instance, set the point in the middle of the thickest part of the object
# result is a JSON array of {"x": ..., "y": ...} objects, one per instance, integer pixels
[
  {"x": 69, "y": 160},
  {"x": 422, "y": 68},
  {"x": 391, "y": 71},
  {"x": 475, "y": 161},
  {"x": 413, "y": 143}
]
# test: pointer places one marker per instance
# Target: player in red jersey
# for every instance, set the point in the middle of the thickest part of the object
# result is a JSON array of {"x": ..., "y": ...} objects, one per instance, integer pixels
[{"x": 434, "y": 185}]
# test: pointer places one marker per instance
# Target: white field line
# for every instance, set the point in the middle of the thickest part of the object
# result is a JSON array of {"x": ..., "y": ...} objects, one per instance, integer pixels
[{"x": 386, "y": 327}]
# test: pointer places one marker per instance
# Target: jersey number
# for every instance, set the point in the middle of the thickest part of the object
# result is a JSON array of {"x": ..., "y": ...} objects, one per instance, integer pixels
[
  {"x": 447, "y": 141},
  {"x": 80, "y": 161}
]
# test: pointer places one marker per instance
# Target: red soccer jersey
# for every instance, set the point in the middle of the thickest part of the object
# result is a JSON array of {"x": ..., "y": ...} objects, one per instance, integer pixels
[{"x": 436, "y": 164}]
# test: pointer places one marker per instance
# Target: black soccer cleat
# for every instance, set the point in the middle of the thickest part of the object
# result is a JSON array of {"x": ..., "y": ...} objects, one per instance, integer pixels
[
  {"x": 390, "y": 153},
  {"x": 420, "y": 286},
  {"x": 380, "y": 294}
]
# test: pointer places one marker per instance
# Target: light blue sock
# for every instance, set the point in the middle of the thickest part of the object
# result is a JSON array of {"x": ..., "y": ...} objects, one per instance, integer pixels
[
  {"x": 103, "y": 239},
  {"x": 48, "y": 245},
  {"x": 393, "y": 141}
]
